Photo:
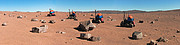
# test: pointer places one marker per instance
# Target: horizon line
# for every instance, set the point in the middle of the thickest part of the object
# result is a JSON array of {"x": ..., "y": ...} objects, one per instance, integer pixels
[{"x": 95, "y": 9}]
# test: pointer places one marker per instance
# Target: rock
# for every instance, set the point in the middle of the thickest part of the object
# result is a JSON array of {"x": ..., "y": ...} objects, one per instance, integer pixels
[
  {"x": 152, "y": 42},
  {"x": 58, "y": 32},
  {"x": 19, "y": 17},
  {"x": 86, "y": 25},
  {"x": 34, "y": 19},
  {"x": 137, "y": 35},
  {"x": 52, "y": 21},
  {"x": 71, "y": 39},
  {"x": 63, "y": 32},
  {"x": 159, "y": 17},
  {"x": 109, "y": 17},
  {"x": 25, "y": 16},
  {"x": 84, "y": 15},
  {"x": 95, "y": 38},
  {"x": 62, "y": 19},
  {"x": 113, "y": 19},
  {"x": 10, "y": 15},
  {"x": 36, "y": 15},
  {"x": 85, "y": 35},
  {"x": 91, "y": 26},
  {"x": 144, "y": 35},
  {"x": 174, "y": 36},
  {"x": 44, "y": 26},
  {"x": 91, "y": 14},
  {"x": 156, "y": 29},
  {"x": 4, "y": 13},
  {"x": 152, "y": 22},
  {"x": 4, "y": 24},
  {"x": 140, "y": 21},
  {"x": 155, "y": 19},
  {"x": 43, "y": 21},
  {"x": 41, "y": 29},
  {"x": 13, "y": 16},
  {"x": 178, "y": 31},
  {"x": 161, "y": 39},
  {"x": 66, "y": 42}
]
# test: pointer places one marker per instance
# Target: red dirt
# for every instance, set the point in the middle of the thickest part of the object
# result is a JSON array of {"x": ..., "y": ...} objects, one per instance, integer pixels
[{"x": 17, "y": 31}]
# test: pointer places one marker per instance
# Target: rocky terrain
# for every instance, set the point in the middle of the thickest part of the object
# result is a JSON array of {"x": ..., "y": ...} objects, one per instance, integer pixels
[{"x": 17, "y": 27}]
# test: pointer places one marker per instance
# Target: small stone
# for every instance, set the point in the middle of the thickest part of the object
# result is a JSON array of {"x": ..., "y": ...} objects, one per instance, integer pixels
[
  {"x": 155, "y": 19},
  {"x": 124, "y": 38},
  {"x": 10, "y": 15},
  {"x": 62, "y": 19},
  {"x": 91, "y": 14},
  {"x": 109, "y": 17},
  {"x": 174, "y": 36},
  {"x": 4, "y": 24},
  {"x": 144, "y": 35},
  {"x": 25, "y": 16},
  {"x": 13, "y": 16},
  {"x": 85, "y": 35},
  {"x": 113, "y": 19},
  {"x": 152, "y": 42},
  {"x": 65, "y": 42},
  {"x": 137, "y": 35},
  {"x": 84, "y": 15},
  {"x": 41, "y": 29},
  {"x": 71, "y": 39},
  {"x": 178, "y": 31},
  {"x": 158, "y": 17},
  {"x": 63, "y": 32},
  {"x": 161, "y": 39},
  {"x": 95, "y": 38},
  {"x": 58, "y": 32},
  {"x": 43, "y": 21},
  {"x": 36, "y": 15},
  {"x": 152, "y": 22},
  {"x": 140, "y": 21},
  {"x": 4, "y": 13},
  {"x": 34, "y": 19},
  {"x": 156, "y": 29},
  {"x": 52, "y": 21},
  {"x": 19, "y": 16}
]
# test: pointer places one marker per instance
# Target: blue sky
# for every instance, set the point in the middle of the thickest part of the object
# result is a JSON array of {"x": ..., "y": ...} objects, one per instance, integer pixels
[{"x": 88, "y": 5}]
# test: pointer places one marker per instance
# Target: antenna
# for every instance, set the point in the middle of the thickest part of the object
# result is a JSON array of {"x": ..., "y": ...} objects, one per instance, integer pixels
[
  {"x": 128, "y": 13},
  {"x": 95, "y": 12},
  {"x": 124, "y": 15},
  {"x": 69, "y": 12}
]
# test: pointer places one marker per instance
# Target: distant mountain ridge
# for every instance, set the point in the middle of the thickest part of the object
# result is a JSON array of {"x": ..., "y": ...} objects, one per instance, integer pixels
[
  {"x": 130, "y": 11},
  {"x": 116, "y": 12}
]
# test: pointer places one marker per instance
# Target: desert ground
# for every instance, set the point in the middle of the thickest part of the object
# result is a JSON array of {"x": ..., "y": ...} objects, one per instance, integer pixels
[{"x": 17, "y": 31}]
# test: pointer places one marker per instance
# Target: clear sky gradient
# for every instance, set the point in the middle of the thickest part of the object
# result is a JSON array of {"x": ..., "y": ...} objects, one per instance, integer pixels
[{"x": 88, "y": 5}]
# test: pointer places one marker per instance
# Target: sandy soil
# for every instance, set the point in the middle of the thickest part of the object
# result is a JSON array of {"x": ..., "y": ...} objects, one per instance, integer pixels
[{"x": 17, "y": 32}]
